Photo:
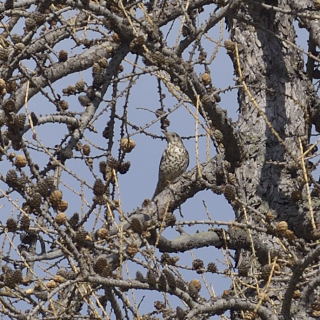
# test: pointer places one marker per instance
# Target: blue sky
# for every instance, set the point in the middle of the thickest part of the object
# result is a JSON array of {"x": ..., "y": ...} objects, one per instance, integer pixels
[{"x": 139, "y": 183}]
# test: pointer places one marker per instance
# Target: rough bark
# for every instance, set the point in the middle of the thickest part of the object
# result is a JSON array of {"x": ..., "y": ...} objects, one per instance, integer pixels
[{"x": 262, "y": 163}]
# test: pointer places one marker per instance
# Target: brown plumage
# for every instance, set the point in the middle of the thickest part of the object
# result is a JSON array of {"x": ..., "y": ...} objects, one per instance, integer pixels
[{"x": 174, "y": 162}]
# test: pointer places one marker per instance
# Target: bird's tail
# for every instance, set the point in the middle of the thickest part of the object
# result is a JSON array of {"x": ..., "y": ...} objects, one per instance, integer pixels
[{"x": 159, "y": 188}]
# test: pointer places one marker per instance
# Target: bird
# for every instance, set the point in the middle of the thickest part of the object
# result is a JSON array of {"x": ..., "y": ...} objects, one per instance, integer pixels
[{"x": 174, "y": 162}]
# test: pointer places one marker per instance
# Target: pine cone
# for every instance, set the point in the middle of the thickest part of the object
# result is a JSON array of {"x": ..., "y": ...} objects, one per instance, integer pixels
[
  {"x": 9, "y": 105},
  {"x": 80, "y": 85},
  {"x": 12, "y": 178},
  {"x": 42, "y": 187},
  {"x": 55, "y": 197},
  {"x": 170, "y": 279},
  {"x": 20, "y": 120},
  {"x": 30, "y": 23},
  {"x": 102, "y": 233},
  {"x": 60, "y": 218},
  {"x": 74, "y": 220},
  {"x": 140, "y": 277},
  {"x": 4, "y": 54},
  {"x": 84, "y": 100},
  {"x": 112, "y": 162},
  {"x": 11, "y": 85},
  {"x": 162, "y": 283},
  {"x": 100, "y": 265},
  {"x": 8, "y": 4},
  {"x": 98, "y": 188},
  {"x": 81, "y": 235},
  {"x": 24, "y": 222},
  {"x": 67, "y": 274},
  {"x": 86, "y": 150},
  {"x": 265, "y": 271},
  {"x": 230, "y": 192},
  {"x": 212, "y": 267},
  {"x": 15, "y": 38},
  {"x": 12, "y": 277},
  {"x": 102, "y": 167},
  {"x": 124, "y": 167},
  {"x": 63, "y": 56},
  {"x": 35, "y": 200},
  {"x": 198, "y": 265},
  {"x": 38, "y": 17},
  {"x": 50, "y": 182},
  {"x": 193, "y": 291},
  {"x": 136, "y": 226},
  {"x": 12, "y": 225}
]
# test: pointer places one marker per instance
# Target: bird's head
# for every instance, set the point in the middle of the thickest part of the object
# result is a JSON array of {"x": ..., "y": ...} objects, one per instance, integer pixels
[{"x": 172, "y": 137}]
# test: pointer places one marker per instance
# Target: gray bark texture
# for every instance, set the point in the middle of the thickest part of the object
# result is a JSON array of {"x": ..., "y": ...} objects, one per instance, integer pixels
[{"x": 103, "y": 262}]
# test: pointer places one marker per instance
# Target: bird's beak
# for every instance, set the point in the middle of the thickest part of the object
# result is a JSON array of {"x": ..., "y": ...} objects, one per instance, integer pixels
[{"x": 165, "y": 133}]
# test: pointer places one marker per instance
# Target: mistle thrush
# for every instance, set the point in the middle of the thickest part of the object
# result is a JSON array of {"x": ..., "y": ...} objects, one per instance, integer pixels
[{"x": 174, "y": 162}]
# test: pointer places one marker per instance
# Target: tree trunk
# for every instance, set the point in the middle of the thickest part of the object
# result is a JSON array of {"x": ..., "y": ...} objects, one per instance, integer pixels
[{"x": 106, "y": 260}]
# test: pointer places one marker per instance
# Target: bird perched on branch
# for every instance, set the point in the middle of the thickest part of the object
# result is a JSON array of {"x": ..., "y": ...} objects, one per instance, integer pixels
[{"x": 174, "y": 161}]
